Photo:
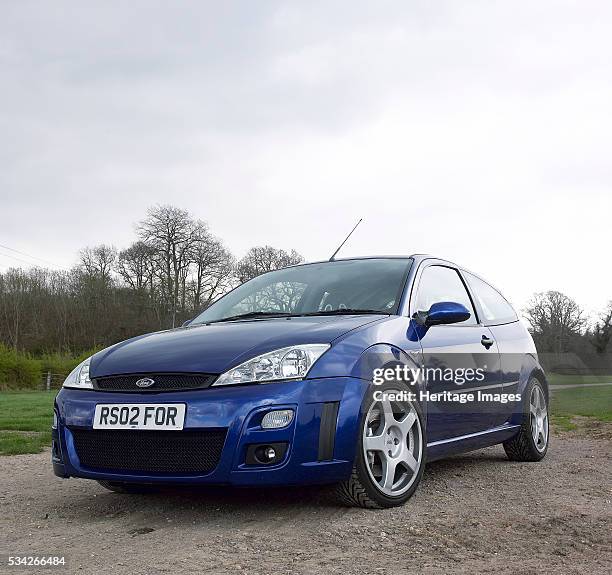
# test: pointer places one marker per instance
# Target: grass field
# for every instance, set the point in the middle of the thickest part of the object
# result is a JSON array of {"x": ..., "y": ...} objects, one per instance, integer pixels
[
  {"x": 557, "y": 379},
  {"x": 25, "y": 417},
  {"x": 595, "y": 402},
  {"x": 25, "y": 421}
]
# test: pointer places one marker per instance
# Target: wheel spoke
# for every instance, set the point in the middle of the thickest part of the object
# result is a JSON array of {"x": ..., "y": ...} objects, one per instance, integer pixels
[
  {"x": 387, "y": 411},
  {"x": 407, "y": 422},
  {"x": 533, "y": 409},
  {"x": 409, "y": 461},
  {"x": 388, "y": 476},
  {"x": 374, "y": 442}
]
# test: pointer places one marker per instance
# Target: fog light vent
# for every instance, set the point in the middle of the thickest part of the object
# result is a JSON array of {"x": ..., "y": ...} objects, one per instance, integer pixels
[
  {"x": 265, "y": 454},
  {"x": 277, "y": 419}
]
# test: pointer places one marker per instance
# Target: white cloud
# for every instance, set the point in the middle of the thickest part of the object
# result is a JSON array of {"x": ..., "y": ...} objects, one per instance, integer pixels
[{"x": 478, "y": 131}]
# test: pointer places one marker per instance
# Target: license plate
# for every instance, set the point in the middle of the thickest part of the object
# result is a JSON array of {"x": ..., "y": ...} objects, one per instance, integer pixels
[{"x": 168, "y": 416}]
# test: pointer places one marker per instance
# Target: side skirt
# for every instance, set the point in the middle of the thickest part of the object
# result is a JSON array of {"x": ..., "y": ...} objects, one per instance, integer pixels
[{"x": 464, "y": 443}]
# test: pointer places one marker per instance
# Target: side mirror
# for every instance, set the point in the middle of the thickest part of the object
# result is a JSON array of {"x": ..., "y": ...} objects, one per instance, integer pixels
[
  {"x": 186, "y": 323},
  {"x": 443, "y": 313}
]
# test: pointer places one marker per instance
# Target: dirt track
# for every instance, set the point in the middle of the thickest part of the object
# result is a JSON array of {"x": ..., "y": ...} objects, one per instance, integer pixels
[{"x": 475, "y": 513}]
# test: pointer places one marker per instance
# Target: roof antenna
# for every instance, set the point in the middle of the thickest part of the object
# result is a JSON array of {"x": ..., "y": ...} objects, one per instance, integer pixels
[{"x": 347, "y": 237}]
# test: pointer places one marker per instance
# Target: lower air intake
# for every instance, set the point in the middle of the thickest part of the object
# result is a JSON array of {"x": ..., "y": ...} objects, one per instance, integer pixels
[{"x": 150, "y": 452}]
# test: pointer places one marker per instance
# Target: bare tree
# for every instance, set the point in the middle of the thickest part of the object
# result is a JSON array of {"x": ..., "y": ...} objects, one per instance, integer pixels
[
  {"x": 602, "y": 331},
  {"x": 170, "y": 232},
  {"x": 99, "y": 261},
  {"x": 13, "y": 292},
  {"x": 554, "y": 318},
  {"x": 262, "y": 259},
  {"x": 135, "y": 266},
  {"x": 213, "y": 270},
  {"x": 174, "y": 270}
]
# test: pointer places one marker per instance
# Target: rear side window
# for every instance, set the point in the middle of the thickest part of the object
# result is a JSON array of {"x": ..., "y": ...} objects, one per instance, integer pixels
[
  {"x": 438, "y": 284},
  {"x": 495, "y": 308}
]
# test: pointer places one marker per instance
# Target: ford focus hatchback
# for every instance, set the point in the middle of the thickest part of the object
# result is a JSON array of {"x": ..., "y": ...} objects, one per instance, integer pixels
[{"x": 351, "y": 372}]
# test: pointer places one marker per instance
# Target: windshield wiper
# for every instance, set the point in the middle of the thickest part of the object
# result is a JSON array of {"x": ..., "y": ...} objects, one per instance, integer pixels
[
  {"x": 272, "y": 314},
  {"x": 346, "y": 311},
  {"x": 252, "y": 314}
]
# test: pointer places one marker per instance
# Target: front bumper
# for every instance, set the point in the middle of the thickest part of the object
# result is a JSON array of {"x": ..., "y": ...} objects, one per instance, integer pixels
[{"x": 321, "y": 439}]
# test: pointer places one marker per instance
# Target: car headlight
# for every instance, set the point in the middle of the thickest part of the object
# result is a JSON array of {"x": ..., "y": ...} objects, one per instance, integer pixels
[
  {"x": 79, "y": 376},
  {"x": 292, "y": 362}
]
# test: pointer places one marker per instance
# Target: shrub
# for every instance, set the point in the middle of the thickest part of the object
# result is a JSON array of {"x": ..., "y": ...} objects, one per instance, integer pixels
[
  {"x": 58, "y": 364},
  {"x": 18, "y": 371}
]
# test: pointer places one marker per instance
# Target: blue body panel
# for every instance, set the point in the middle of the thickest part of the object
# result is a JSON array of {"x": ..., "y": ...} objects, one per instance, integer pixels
[
  {"x": 343, "y": 375},
  {"x": 215, "y": 348},
  {"x": 233, "y": 408}
]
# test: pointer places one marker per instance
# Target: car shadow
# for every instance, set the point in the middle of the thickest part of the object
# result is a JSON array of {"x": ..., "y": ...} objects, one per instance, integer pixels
[
  {"x": 194, "y": 504},
  {"x": 485, "y": 457}
]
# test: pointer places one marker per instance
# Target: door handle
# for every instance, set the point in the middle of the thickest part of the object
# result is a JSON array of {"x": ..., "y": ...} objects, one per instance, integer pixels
[{"x": 487, "y": 341}]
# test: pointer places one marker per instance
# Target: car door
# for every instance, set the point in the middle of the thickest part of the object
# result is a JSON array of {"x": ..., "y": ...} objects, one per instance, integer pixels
[
  {"x": 499, "y": 316},
  {"x": 461, "y": 350}
]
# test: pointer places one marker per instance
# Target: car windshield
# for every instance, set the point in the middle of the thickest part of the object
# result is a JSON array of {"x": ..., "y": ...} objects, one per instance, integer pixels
[{"x": 338, "y": 287}]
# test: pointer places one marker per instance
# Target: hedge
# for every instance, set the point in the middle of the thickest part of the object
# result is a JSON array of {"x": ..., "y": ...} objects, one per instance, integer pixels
[{"x": 23, "y": 371}]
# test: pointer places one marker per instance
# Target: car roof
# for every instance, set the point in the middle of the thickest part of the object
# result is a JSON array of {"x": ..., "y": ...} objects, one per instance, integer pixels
[{"x": 417, "y": 258}]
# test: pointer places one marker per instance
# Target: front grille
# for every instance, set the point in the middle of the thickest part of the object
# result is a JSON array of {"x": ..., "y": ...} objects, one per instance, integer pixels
[
  {"x": 163, "y": 382},
  {"x": 171, "y": 452}
]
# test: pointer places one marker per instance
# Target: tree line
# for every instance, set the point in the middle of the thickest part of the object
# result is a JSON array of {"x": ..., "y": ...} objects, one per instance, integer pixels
[
  {"x": 565, "y": 340},
  {"x": 174, "y": 269}
]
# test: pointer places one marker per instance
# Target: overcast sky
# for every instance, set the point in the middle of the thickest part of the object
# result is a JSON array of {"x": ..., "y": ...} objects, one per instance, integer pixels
[{"x": 480, "y": 132}]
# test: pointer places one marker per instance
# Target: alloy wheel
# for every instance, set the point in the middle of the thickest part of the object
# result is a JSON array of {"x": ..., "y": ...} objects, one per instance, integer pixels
[
  {"x": 392, "y": 445},
  {"x": 539, "y": 418}
]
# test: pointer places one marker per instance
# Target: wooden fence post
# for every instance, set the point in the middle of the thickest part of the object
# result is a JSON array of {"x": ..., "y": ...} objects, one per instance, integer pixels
[{"x": 48, "y": 381}]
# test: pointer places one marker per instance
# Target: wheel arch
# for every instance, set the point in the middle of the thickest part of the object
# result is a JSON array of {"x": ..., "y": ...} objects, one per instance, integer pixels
[
  {"x": 533, "y": 369},
  {"x": 530, "y": 368}
]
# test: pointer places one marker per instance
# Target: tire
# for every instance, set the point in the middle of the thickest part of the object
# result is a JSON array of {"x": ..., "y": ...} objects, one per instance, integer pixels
[
  {"x": 131, "y": 488},
  {"x": 396, "y": 432},
  {"x": 531, "y": 442}
]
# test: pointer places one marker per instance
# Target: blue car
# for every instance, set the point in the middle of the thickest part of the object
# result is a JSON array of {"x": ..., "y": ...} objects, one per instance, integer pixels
[{"x": 351, "y": 373}]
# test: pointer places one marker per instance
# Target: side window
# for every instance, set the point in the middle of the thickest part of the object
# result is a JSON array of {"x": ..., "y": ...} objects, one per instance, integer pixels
[
  {"x": 495, "y": 308},
  {"x": 439, "y": 283}
]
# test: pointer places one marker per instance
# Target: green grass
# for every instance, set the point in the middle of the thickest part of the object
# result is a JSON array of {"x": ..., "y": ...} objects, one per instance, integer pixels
[
  {"x": 557, "y": 379},
  {"x": 593, "y": 402},
  {"x": 562, "y": 422},
  {"x": 25, "y": 421},
  {"x": 20, "y": 442}
]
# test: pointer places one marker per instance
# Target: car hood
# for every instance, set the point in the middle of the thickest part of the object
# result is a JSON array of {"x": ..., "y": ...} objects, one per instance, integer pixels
[{"x": 217, "y": 347}]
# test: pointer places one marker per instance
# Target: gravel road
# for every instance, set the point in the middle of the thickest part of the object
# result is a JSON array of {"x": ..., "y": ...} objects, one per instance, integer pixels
[{"x": 476, "y": 513}]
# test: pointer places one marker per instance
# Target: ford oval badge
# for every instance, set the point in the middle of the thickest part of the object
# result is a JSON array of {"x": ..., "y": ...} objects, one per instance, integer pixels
[{"x": 145, "y": 382}]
